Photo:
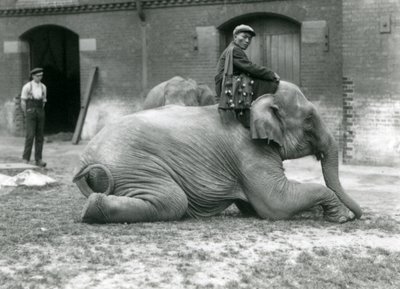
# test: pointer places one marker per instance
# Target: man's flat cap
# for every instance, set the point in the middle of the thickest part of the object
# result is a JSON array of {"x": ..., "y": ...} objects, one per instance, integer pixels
[
  {"x": 244, "y": 28},
  {"x": 36, "y": 70}
]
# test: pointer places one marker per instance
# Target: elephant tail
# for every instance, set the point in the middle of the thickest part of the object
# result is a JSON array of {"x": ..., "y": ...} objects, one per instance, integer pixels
[{"x": 94, "y": 178}]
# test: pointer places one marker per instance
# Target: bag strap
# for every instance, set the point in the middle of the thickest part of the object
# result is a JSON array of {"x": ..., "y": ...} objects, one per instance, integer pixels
[{"x": 42, "y": 86}]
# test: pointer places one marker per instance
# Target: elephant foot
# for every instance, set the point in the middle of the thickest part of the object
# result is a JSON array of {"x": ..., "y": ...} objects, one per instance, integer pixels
[
  {"x": 93, "y": 212},
  {"x": 339, "y": 214}
]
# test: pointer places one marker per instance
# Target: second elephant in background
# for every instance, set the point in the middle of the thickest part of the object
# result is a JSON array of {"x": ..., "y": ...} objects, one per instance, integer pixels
[{"x": 179, "y": 91}]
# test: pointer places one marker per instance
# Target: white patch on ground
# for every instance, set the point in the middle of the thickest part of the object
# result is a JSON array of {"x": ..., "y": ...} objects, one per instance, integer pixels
[
  {"x": 28, "y": 178},
  {"x": 3, "y": 178}
]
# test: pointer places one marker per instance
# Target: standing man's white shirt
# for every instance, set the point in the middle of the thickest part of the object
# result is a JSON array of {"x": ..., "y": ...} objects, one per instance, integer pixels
[{"x": 35, "y": 90}]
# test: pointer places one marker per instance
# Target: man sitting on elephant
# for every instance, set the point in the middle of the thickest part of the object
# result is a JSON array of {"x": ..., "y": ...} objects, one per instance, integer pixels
[{"x": 239, "y": 81}]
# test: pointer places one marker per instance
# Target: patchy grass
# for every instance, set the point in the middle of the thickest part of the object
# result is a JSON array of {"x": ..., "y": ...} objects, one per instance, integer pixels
[
  {"x": 326, "y": 268},
  {"x": 43, "y": 245}
]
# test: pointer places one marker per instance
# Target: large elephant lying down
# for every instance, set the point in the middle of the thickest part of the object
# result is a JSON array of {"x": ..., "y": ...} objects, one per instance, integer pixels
[{"x": 163, "y": 164}]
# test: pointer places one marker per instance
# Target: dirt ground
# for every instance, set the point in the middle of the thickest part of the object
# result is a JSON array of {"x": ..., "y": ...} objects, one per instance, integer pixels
[{"x": 223, "y": 260}]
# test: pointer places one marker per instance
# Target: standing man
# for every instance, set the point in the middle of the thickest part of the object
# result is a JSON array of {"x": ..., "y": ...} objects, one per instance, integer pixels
[
  {"x": 33, "y": 100},
  {"x": 233, "y": 67}
]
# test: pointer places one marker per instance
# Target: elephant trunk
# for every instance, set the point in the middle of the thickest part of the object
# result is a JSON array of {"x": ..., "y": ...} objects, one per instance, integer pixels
[{"x": 330, "y": 170}]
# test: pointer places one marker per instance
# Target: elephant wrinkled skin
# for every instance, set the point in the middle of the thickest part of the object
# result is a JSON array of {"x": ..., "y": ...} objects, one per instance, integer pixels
[
  {"x": 179, "y": 91},
  {"x": 174, "y": 161}
]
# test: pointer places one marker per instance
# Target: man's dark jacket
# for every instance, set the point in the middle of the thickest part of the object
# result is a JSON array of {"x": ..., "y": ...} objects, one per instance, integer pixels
[{"x": 241, "y": 64}]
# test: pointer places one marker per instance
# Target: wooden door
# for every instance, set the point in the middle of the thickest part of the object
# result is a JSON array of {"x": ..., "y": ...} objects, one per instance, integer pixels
[{"x": 282, "y": 54}]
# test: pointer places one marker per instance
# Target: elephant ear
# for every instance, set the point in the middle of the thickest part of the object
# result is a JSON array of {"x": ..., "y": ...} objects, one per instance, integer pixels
[
  {"x": 264, "y": 120},
  {"x": 155, "y": 97},
  {"x": 205, "y": 95}
]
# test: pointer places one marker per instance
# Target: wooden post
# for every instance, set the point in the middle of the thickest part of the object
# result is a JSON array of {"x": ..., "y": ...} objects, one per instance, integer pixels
[{"x": 84, "y": 107}]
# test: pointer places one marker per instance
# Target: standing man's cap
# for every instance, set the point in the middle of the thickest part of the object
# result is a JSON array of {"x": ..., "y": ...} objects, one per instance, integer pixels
[
  {"x": 36, "y": 70},
  {"x": 244, "y": 28}
]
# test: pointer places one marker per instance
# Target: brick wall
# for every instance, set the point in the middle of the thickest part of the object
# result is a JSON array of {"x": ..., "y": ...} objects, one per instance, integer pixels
[
  {"x": 348, "y": 119},
  {"x": 174, "y": 46},
  {"x": 371, "y": 57}
]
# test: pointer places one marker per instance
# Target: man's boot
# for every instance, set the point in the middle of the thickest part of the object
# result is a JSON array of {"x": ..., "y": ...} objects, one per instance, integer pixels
[{"x": 40, "y": 163}]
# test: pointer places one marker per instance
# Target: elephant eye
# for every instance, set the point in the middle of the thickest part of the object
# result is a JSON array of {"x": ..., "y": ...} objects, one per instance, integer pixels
[
  {"x": 308, "y": 122},
  {"x": 275, "y": 108}
]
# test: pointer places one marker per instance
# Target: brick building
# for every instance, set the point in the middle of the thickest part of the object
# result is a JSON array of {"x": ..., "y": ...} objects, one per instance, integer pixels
[
  {"x": 341, "y": 53},
  {"x": 371, "y": 79}
]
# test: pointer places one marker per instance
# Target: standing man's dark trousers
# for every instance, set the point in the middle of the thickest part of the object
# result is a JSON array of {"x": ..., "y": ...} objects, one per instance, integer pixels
[{"x": 34, "y": 119}]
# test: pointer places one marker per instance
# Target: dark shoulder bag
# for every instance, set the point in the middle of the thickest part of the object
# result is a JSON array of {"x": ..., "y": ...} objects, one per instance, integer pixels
[{"x": 236, "y": 90}]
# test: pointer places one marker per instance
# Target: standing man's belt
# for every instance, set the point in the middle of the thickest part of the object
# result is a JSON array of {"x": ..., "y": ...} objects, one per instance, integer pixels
[{"x": 34, "y": 103}]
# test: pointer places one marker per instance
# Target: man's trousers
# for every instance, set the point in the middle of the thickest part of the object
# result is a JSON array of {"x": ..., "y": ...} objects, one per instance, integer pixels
[{"x": 34, "y": 119}]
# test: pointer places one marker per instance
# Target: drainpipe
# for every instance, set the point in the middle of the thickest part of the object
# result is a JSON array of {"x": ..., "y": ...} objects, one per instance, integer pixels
[{"x": 142, "y": 18}]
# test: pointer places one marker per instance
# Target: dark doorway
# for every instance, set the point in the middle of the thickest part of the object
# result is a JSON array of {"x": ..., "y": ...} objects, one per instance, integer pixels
[
  {"x": 56, "y": 49},
  {"x": 276, "y": 45}
]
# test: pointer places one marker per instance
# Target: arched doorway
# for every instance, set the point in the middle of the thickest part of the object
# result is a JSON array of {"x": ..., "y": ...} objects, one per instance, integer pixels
[
  {"x": 56, "y": 49},
  {"x": 276, "y": 46}
]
